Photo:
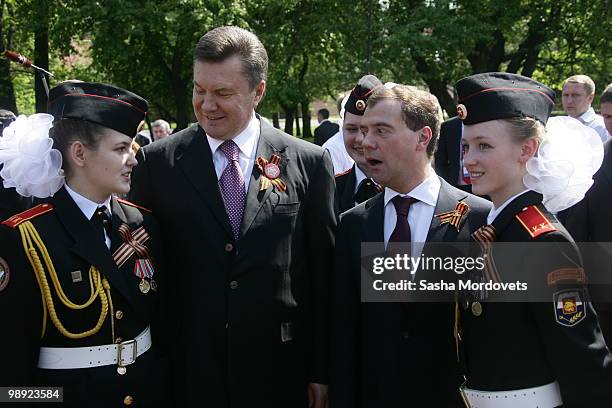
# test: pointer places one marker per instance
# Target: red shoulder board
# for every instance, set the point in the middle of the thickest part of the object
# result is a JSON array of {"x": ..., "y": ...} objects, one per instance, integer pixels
[
  {"x": 344, "y": 172},
  {"x": 126, "y": 202},
  {"x": 27, "y": 215},
  {"x": 534, "y": 221}
]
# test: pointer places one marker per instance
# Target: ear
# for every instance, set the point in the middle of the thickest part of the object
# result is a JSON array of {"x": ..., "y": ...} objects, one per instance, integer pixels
[
  {"x": 76, "y": 154},
  {"x": 260, "y": 90},
  {"x": 528, "y": 149},
  {"x": 590, "y": 98},
  {"x": 425, "y": 135}
]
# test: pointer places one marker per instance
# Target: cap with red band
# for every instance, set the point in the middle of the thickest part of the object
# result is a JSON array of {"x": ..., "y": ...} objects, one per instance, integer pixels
[
  {"x": 501, "y": 95},
  {"x": 104, "y": 104},
  {"x": 357, "y": 100}
]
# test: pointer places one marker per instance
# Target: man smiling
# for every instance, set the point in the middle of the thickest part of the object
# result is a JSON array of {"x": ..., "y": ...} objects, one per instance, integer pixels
[
  {"x": 250, "y": 231},
  {"x": 577, "y": 97}
]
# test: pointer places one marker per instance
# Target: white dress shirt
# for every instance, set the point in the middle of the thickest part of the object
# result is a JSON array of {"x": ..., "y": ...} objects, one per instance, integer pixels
[
  {"x": 494, "y": 212},
  {"x": 340, "y": 158},
  {"x": 247, "y": 144},
  {"x": 596, "y": 122},
  {"x": 89, "y": 208},
  {"x": 359, "y": 177},
  {"x": 420, "y": 213}
]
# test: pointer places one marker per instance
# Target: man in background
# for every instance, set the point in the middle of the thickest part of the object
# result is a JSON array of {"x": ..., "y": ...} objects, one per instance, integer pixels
[
  {"x": 326, "y": 128},
  {"x": 161, "y": 129},
  {"x": 577, "y": 97}
]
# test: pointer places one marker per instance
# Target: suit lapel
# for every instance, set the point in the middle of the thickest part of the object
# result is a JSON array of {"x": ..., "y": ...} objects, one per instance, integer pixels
[
  {"x": 195, "y": 160},
  {"x": 267, "y": 146},
  {"x": 375, "y": 220},
  {"x": 87, "y": 243},
  {"x": 447, "y": 201}
]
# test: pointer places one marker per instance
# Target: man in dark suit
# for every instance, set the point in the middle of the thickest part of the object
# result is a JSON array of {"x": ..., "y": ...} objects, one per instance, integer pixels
[
  {"x": 355, "y": 185},
  {"x": 326, "y": 128},
  {"x": 398, "y": 354},
  {"x": 249, "y": 228}
]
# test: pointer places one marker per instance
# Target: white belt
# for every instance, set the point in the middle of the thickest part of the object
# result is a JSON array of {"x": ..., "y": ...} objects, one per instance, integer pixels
[
  {"x": 59, "y": 358},
  {"x": 545, "y": 396}
]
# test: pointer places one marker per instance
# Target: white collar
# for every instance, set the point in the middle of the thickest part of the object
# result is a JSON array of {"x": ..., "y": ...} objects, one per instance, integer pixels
[
  {"x": 87, "y": 207},
  {"x": 426, "y": 192},
  {"x": 359, "y": 175},
  {"x": 588, "y": 116},
  {"x": 494, "y": 212},
  {"x": 245, "y": 140}
]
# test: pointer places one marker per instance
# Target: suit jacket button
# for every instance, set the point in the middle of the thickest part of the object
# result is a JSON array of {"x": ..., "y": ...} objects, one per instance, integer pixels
[
  {"x": 119, "y": 340},
  {"x": 406, "y": 335},
  {"x": 229, "y": 247},
  {"x": 119, "y": 314},
  {"x": 234, "y": 284},
  {"x": 128, "y": 400}
]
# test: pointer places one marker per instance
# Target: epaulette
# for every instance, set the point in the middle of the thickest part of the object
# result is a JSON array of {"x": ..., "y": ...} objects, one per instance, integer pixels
[
  {"x": 534, "y": 221},
  {"x": 27, "y": 215},
  {"x": 126, "y": 202},
  {"x": 344, "y": 172}
]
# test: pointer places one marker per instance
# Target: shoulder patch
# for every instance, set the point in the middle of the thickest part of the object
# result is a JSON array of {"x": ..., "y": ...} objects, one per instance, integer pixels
[
  {"x": 534, "y": 221},
  {"x": 569, "y": 307},
  {"x": 126, "y": 202},
  {"x": 27, "y": 215},
  {"x": 344, "y": 172}
]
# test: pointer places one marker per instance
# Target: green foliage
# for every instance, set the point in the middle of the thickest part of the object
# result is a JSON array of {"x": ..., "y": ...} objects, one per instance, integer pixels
[{"x": 317, "y": 48}]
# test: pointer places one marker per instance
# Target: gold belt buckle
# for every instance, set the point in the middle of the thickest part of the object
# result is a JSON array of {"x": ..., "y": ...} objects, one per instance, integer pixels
[{"x": 120, "y": 347}]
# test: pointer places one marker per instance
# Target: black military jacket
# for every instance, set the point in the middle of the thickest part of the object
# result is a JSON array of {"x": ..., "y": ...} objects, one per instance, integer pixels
[
  {"x": 510, "y": 346},
  {"x": 74, "y": 246}
]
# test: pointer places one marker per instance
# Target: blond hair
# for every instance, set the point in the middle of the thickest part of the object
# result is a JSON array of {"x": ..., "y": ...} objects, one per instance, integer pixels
[{"x": 585, "y": 80}]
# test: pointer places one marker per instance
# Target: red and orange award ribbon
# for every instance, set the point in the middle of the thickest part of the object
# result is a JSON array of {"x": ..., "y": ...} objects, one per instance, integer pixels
[
  {"x": 270, "y": 173},
  {"x": 454, "y": 217}
]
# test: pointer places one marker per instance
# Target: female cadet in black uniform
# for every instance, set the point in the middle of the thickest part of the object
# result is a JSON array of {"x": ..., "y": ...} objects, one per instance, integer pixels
[
  {"x": 81, "y": 274},
  {"x": 526, "y": 354}
]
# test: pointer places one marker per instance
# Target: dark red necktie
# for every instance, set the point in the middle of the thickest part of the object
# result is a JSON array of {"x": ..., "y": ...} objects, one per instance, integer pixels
[{"x": 401, "y": 232}]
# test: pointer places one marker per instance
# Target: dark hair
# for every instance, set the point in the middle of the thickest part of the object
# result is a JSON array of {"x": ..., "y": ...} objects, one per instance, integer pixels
[
  {"x": 419, "y": 109},
  {"x": 606, "y": 96},
  {"x": 224, "y": 42},
  {"x": 324, "y": 113},
  {"x": 6, "y": 117},
  {"x": 67, "y": 131}
]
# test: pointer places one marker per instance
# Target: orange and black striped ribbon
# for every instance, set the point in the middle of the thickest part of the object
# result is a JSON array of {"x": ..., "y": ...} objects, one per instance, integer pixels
[{"x": 485, "y": 236}]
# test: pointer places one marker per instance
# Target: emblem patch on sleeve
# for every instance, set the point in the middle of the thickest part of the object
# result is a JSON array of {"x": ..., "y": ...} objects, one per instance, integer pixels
[
  {"x": 5, "y": 274},
  {"x": 569, "y": 307}
]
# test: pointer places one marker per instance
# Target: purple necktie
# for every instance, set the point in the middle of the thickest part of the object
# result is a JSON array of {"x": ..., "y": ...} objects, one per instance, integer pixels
[{"x": 231, "y": 183}]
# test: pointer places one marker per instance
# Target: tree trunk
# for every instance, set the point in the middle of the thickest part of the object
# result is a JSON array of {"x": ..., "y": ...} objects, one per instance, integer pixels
[
  {"x": 275, "y": 121},
  {"x": 41, "y": 53},
  {"x": 487, "y": 56},
  {"x": 440, "y": 90},
  {"x": 7, "y": 91},
  {"x": 289, "y": 115},
  {"x": 183, "y": 107},
  {"x": 298, "y": 131},
  {"x": 307, "y": 133}
]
